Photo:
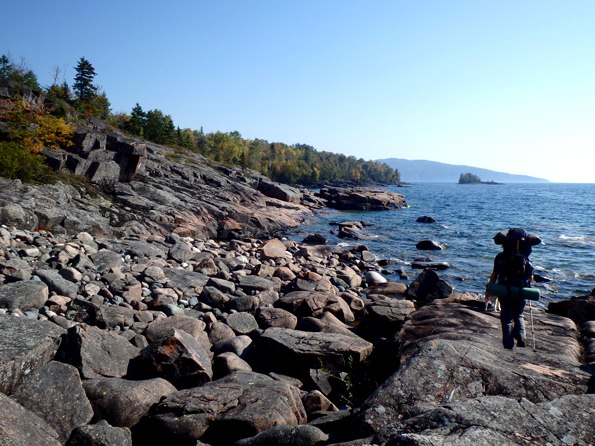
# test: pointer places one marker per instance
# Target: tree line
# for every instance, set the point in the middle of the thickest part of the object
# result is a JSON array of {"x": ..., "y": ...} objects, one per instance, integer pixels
[{"x": 292, "y": 164}]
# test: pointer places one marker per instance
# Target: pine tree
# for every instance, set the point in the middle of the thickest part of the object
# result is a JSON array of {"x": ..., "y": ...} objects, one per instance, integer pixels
[
  {"x": 138, "y": 121},
  {"x": 83, "y": 81},
  {"x": 19, "y": 73}
]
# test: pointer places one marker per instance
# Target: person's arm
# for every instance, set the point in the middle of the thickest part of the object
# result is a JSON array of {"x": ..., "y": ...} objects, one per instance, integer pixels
[{"x": 493, "y": 278}]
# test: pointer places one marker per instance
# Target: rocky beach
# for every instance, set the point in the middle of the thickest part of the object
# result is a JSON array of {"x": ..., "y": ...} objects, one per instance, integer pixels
[{"x": 158, "y": 303}]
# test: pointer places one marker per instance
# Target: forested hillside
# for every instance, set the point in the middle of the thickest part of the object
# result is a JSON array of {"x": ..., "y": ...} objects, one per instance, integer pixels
[{"x": 29, "y": 131}]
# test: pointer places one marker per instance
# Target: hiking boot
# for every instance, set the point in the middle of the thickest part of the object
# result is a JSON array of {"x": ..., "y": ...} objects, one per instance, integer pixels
[{"x": 520, "y": 343}]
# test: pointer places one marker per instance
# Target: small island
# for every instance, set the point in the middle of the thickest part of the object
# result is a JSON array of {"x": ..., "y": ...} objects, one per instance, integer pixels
[{"x": 469, "y": 178}]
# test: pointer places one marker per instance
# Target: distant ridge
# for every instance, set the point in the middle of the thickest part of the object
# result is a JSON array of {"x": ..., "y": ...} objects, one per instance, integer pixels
[{"x": 431, "y": 171}]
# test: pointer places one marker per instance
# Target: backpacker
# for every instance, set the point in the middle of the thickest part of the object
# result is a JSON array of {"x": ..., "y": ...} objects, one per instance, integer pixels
[{"x": 517, "y": 269}]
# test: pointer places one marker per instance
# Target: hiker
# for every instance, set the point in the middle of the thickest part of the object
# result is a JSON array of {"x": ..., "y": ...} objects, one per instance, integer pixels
[{"x": 513, "y": 268}]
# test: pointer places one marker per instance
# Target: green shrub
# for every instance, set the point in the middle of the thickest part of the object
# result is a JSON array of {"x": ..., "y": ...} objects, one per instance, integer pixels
[{"x": 17, "y": 162}]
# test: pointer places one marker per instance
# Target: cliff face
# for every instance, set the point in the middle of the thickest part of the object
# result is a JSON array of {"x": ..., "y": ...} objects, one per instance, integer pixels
[
  {"x": 162, "y": 197},
  {"x": 136, "y": 188}
]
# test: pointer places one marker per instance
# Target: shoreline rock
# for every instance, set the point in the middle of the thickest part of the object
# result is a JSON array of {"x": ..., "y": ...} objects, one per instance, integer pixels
[
  {"x": 143, "y": 307},
  {"x": 207, "y": 316}
]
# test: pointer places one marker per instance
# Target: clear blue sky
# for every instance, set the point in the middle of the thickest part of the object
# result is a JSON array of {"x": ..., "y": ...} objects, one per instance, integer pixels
[{"x": 504, "y": 85}]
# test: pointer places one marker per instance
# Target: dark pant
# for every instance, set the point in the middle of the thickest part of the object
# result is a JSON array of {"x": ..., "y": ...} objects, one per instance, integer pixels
[{"x": 511, "y": 316}]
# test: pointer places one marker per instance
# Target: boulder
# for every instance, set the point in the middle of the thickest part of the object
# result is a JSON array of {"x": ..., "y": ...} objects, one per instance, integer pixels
[
  {"x": 222, "y": 285},
  {"x": 284, "y": 435},
  {"x": 242, "y": 323},
  {"x": 240, "y": 345},
  {"x": 13, "y": 214},
  {"x": 106, "y": 260},
  {"x": 240, "y": 405},
  {"x": 272, "y": 249},
  {"x": 24, "y": 295},
  {"x": 16, "y": 269},
  {"x": 20, "y": 426},
  {"x": 385, "y": 317},
  {"x": 305, "y": 350},
  {"x": 579, "y": 309},
  {"x": 367, "y": 256},
  {"x": 180, "y": 278},
  {"x": 180, "y": 252},
  {"x": 318, "y": 251},
  {"x": 178, "y": 358},
  {"x": 315, "y": 239},
  {"x": 275, "y": 317},
  {"x": 122, "y": 403},
  {"x": 214, "y": 297},
  {"x": 85, "y": 140},
  {"x": 284, "y": 273},
  {"x": 160, "y": 327},
  {"x": 80, "y": 310},
  {"x": 311, "y": 281},
  {"x": 362, "y": 199},
  {"x": 374, "y": 278},
  {"x": 57, "y": 283},
  {"x": 95, "y": 352},
  {"x": 279, "y": 191},
  {"x": 349, "y": 276},
  {"x": 255, "y": 283},
  {"x": 134, "y": 248},
  {"x": 429, "y": 245},
  {"x": 100, "y": 434},
  {"x": 229, "y": 362},
  {"x": 306, "y": 303},
  {"x": 352, "y": 233},
  {"x": 325, "y": 323},
  {"x": 355, "y": 302},
  {"x": 219, "y": 331},
  {"x": 112, "y": 316},
  {"x": 263, "y": 270},
  {"x": 56, "y": 394},
  {"x": 316, "y": 401},
  {"x": 26, "y": 345},
  {"x": 387, "y": 289},
  {"x": 428, "y": 286},
  {"x": 430, "y": 265},
  {"x": 72, "y": 274},
  {"x": 426, "y": 219}
]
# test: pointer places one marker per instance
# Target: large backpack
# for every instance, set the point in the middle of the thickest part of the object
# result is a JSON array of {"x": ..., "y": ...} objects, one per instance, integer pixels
[{"x": 518, "y": 269}]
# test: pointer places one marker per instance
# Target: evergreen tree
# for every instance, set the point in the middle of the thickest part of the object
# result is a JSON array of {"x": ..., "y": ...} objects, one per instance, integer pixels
[
  {"x": 160, "y": 128},
  {"x": 202, "y": 143},
  {"x": 138, "y": 121},
  {"x": 18, "y": 73},
  {"x": 6, "y": 67},
  {"x": 83, "y": 81},
  {"x": 100, "y": 106}
]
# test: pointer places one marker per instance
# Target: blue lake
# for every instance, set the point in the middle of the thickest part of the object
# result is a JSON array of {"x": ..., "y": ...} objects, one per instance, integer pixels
[{"x": 469, "y": 216}]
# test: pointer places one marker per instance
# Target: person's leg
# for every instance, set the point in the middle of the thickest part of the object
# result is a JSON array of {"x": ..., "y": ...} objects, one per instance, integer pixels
[
  {"x": 506, "y": 317},
  {"x": 518, "y": 332}
]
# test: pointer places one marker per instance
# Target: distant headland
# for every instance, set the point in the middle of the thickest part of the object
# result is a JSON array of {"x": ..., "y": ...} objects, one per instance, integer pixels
[{"x": 431, "y": 171}]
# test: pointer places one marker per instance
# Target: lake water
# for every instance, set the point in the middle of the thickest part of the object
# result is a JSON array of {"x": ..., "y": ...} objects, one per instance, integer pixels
[{"x": 469, "y": 216}]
